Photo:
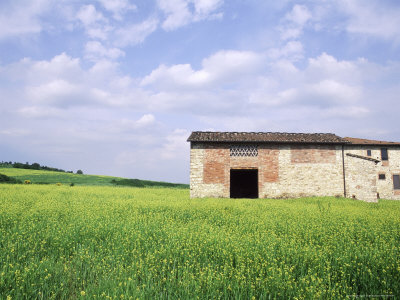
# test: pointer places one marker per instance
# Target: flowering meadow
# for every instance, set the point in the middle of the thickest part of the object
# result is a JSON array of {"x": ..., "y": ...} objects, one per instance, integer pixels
[{"x": 62, "y": 242}]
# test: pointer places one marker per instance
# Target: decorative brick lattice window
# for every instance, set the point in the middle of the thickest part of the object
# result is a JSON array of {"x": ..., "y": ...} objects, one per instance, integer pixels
[{"x": 243, "y": 150}]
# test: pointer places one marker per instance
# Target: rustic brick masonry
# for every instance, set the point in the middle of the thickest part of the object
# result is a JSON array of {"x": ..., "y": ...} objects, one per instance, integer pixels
[
  {"x": 312, "y": 154},
  {"x": 295, "y": 165}
]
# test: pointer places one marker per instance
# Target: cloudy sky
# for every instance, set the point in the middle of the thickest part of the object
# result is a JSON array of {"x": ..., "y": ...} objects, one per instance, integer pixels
[{"x": 115, "y": 87}]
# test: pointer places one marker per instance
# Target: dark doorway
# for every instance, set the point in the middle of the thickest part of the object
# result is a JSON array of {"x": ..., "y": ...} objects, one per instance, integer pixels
[{"x": 244, "y": 183}]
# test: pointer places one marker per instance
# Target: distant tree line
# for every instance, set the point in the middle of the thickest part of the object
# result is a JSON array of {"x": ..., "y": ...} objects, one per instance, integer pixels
[{"x": 34, "y": 166}]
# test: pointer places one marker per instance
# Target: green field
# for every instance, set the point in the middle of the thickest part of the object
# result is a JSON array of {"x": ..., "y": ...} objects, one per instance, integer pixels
[
  {"x": 51, "y": 177},
  {"x": 65, "y": 242}
]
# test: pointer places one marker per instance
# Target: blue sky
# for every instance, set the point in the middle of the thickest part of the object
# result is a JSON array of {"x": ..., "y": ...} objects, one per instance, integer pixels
[{"x": 116, "y": 86}]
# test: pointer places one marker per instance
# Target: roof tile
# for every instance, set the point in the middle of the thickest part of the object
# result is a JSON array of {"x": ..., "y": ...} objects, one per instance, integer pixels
[
  {"x": 266, "y": 137},
  {"x": 357, "y": 141}
]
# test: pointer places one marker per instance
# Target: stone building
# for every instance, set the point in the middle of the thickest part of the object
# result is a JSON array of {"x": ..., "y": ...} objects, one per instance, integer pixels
[{"x": 281, "y": 165}]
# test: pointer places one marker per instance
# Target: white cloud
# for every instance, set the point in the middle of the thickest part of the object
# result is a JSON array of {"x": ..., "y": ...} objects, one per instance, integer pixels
[
  {"x": 145, "y": 120},
  {"x": 60, "y": 66},
  {"x": 39, "y": 112},
  {"x": 294, "y": 22},
  {"x": 118, "y": 7},
  {"x": 229, "y": 82},
  {"x": 129, "y": 127},
  {"x": 178, "y": 75},
  {"x": 107, "y": 21},
  {"x": 299, "y": 15},
  {"x": 22, "y": 17},
  {"x": 96, "y": 25},
  {"x": 350, "y": 112},
  {"x": 88, "y": 15},
  {"x": 206, "y": 7},
  {"x": 330, "y": 92},
  {"x": 62, "y": 82},
  {"x": 284, "y": 68},
  {"x": 94, "y": 51},
  {"x": 176, "y": 146},
  {"x": 216, "y": 69},
  {"x": 58, "y": 91},
  {"x": 179, "y": 13},
  {"x": 229, "y": 63},
  {"x": 372, "y": 18},
  {"x": 165, "y": 157},
  {"x": 292, "y": 51},
  {"x": 73, "y": 107},
  {"x": 362, "y": 18},
  {"x": 323, "y": 84},
  {"x": 246, "y": 83},
  {"x": 135, "y": 34},
  {"x": 14, "y": 132},
  {"x": 328, "y": 66},
  {"x": 118, "y": 34}
]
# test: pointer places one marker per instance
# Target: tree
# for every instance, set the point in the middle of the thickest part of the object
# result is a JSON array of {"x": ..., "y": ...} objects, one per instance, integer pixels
[
  {"x": 79, "y": 172},
  {"x": 35, "y": 166}
]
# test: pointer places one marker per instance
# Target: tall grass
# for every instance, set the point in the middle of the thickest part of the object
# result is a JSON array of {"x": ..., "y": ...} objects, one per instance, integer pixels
[{"x": 112, "y": 242}]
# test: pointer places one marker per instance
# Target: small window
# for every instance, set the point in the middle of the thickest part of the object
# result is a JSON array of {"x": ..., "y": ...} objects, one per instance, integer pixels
[
  {"x": 244, "y": 150},
  {"x": 384, "y": 154},
  {"x": 369, "y": 153},
  {"x": 382, "y": 176},
  {"x": 396, "y": 182}
]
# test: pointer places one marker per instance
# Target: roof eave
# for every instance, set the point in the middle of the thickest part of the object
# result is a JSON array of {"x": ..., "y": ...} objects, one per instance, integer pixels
[
  {"x": 270, "y": 142},
  {"x": 374, "y": 144}
]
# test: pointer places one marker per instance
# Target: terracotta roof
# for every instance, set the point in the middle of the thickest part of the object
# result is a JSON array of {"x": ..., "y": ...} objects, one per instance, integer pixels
[
  {"x": 266, "y": 137},
  {"x": 356, "y": 141}
]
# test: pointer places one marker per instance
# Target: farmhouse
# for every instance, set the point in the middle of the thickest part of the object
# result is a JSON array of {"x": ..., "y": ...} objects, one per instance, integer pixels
[{"x": 281, "y": 165}]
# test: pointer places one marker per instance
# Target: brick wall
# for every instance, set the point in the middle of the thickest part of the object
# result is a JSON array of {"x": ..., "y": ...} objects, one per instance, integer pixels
[
  {"x": 269, "y": 163},
  {"x": 283, "y": 171},
  {"x": 214, "y": 165},
  {"x": 313, "y": 154},
  {"x": 300, "y": 175},
  {"x": 295, "y": 171}
]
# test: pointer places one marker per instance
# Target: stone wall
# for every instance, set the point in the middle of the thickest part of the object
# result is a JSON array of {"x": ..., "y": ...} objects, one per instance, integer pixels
[
  {"x": 283, "y": 171},
  {"x": 368, "y": 172},
  {"x": 360, "y": 178},
  {"x": 296, "y": 171},
  {"x": 201, "y": 186},
  {"x": 306, "y": 171}
]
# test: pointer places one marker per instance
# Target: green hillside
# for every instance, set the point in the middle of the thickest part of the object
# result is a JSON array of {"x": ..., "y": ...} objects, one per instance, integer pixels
[{"x": 51, "y": 177}]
